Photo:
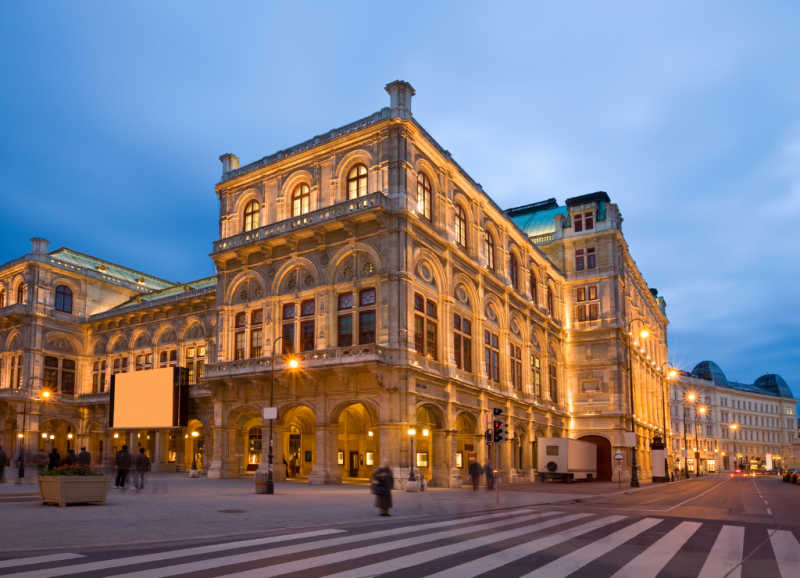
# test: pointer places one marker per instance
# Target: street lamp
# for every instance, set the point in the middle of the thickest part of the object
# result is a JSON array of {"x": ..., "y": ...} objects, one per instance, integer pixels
[
  {"x": 22, "y": 435},
  {"x": 293, "y": 364},
  {"x": 691, "y": 398},
  {"x": 644, "y": 333},
  {"x": 701, "y": 410},
  {"x": 733, "y": 427},
  {"x": 670, "y": 374},
  {"x": 411, "y": 433}
]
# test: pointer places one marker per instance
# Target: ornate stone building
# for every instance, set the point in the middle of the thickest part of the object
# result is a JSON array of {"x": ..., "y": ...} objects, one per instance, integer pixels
[{"x": 408, "y": 297}]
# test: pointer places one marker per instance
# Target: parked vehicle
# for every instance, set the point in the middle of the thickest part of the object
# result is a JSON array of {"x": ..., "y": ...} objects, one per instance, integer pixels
[
  {"x": 787, "y": 477},
  {"x": 566, "y": 460}
]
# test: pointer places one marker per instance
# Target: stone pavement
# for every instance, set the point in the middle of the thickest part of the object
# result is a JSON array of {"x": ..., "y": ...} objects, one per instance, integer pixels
[{"x": 174, "y": 507}]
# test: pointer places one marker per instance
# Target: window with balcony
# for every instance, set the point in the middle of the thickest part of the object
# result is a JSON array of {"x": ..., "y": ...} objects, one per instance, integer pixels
[
  {"x": 357, "y": 182},
  {"x": 425, "y": 326},
  {"x": 462, "y": 342},
  {"x": 195, "y": 363},
  {"x": 251, "y": 216},
  {"x": 59, "y": 375},
  {"x": 63, "y": 299},
  {"x": 301, "y": 199}
]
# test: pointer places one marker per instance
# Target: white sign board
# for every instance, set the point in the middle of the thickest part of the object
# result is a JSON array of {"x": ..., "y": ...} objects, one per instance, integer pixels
[
  {"x": 769, "y": 461},
  {"x": 618, "y": 456},
  {"x": 683, "y": 453},
  {"x": 629, "y": 439},
  {"x": 270, "y": 413}
]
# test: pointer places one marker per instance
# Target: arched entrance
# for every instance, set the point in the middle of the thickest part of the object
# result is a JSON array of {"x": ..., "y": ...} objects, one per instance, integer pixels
[
  {"x": 298, "y": 442},
  {"x": 58, "y": 434},
  {"x": 468, "y": 443},
  {"x": 358, "y": 442},
  {"x": 604, "y": 468}
]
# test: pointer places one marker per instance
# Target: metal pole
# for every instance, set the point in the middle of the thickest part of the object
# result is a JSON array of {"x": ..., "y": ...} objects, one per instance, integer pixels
[
  {"x": 685, "y": 441},
  {"x": 411, "y": 476},
  {"x": 22, "y": 439},
  {"x": 270, "y": 479},
  {"x": 497, "y": 474},
  {"x": 664, "y": 420},
  {"x": 696, "y": 443},
  {"x": 634, "y": 476}
]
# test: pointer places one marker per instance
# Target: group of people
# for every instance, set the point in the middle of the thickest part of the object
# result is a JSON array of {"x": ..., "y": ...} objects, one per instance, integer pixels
[
  {"x": 476, "y": 471},
  {"x": 42, "y": 461},
  {"x": 124, "y": 463}
]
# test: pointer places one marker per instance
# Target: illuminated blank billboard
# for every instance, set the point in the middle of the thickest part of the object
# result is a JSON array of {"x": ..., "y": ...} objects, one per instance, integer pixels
[{"x": 152, "y": 399}]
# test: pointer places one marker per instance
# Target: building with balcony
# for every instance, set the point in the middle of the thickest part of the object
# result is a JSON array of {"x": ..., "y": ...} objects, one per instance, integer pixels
[{"x": 408, "y": 297}]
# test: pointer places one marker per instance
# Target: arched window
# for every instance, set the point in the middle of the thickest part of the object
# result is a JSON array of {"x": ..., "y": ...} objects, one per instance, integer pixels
[
  {"x": 488, "y": 249},
  {"x": 424, "y": 196},
  {"x": 21, "y": 293},
  {"x": 300, "y": 200},
  {"x": 533, "y": 287},
  {"x": 550, "y": 301},
  {"x": 357, "y": 182},
  {"x": 513, "y": 271},
  {"x": 251, "y": 216},
  {"x": 461, "y": 226},
  {"x": 63, "y": 299}
]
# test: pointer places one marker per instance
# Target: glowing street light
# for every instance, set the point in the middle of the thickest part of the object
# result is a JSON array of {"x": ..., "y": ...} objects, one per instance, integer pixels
[{"x": 412, "y": 432}]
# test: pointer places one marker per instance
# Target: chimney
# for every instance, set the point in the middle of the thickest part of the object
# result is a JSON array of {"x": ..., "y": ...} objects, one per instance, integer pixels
[
  {"x": 229, "y": 163},
  {"x": 39, "y": 246},
  {"x": 400, "y": 93},
  {"x": 654, "y": 292}
]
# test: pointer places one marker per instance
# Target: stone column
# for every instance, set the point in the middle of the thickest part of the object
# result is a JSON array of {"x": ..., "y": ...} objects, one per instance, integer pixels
[
  {"x": 326, "y": 470},
  {"x": 391, "y": 448},
  {"x": 223, "y": 461},
  {"x": 132, "y": 445},
  {"x": 158, "y": 455},
  {"x": 180, "y": 450},
  {"x": 441, "y": 459},
  {"x": 451, "y": 445}
]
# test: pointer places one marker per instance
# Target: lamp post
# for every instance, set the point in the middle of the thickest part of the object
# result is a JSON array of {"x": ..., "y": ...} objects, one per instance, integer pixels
[
  {"x": 643, "y": 334},
  {"x": 691, "y": 397},
  {"x": 24, "y": 414},
  {"x": 411, "y": 477},
  {"x": 733, "y": 427},
  {"x": 670, "y": 374},
  {"x": 293, "y": 365},
  {"x": 701, "y": 410}
]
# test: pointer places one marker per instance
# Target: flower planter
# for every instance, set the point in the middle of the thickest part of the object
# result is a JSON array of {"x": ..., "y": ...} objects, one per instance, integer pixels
[{"x": 63, "y": 490}]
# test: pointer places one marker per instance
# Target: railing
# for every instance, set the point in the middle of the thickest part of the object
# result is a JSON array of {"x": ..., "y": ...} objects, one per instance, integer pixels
[
  {"x": 92, "y": 397},
  {"x": 364, "y": 122},
  {"x": 541, "y": 238},
  {"x": 334, "y": 212},
  {"x": 355, "y": 354},
  {"x": 17, "y": 308},
  {"x": 154, "y": 302}
]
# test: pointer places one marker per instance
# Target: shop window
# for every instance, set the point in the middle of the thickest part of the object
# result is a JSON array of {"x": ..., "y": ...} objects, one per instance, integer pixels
[
  {"x": 462, "y": 342},
  {"x": 63, "y": 299},
  {"x": 491, "y": 358},
  {"x": 357, "y": 182},
  {"x": 425, "y": 326},
  {"x": 515, "y": 363},
  {"x": 424, "y": 195}
]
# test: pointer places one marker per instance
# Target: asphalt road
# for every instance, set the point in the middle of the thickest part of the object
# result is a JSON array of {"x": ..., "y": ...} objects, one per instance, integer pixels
[{"x": 712, "y": 527}]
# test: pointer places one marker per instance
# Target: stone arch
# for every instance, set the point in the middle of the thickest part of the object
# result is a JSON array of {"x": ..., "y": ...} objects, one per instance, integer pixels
[
  {"x": 288, "y": 268},
  {"x": 500, "y": 315},
  {"x": 515, "y": 318},
  {"x": 514, "y": 249},
  {"x": 467, "y": 423},
  {"x": 187, "y": 332},
  {"x": 91, "y": 424},
  {"x": 536, "y": 338},
  {"x": 63, "y": 343},
  {"x": 118, "y": 343},
  {"x": 422, "y": 164},
  {"x": 351, "y": 159},
  {"x": 141, "y": 339},
  {"x": 14, "y": 340},
  {"x": 71, "y": 284},
  {"x": 294, "y": 411},
  {"x": 98, "y": 347},
  {"x": 431, "y": 412},
  {"x": 161, "y": 335},
  {"x": 336, "y": 264},
  {"x": 423, "y": 256},
  {"x": 68, "y": 420},
  {"x": 470, "y": 292},
  {"x": 15, "y": 283},
  {"x": 251, "y": 276},
  {"x": 235, "y": 417},
  {"x": 250, "y": 194},
  {"x": 371, "y": 407}
]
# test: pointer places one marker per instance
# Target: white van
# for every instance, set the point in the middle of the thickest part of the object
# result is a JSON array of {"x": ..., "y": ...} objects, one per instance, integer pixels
[{"x": 566, "y": 460}]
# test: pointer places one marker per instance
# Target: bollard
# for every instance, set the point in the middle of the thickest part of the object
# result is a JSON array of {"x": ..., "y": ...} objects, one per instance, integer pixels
[{"x": 261, "y": 482}]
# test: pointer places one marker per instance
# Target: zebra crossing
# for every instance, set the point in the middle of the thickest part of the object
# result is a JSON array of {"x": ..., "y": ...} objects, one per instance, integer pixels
[{"x": 524, "y": 543}]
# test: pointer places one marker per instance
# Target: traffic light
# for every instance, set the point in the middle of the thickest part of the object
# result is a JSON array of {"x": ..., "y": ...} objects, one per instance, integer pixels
[
  {"x": 497, "y": 410},
  {"x": 500, "y": 431}
]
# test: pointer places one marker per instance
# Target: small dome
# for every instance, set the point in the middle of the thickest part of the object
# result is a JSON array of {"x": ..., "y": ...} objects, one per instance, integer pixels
[
  {"x": 710, "y": 371},
  {"x": 774, "y": 384}
]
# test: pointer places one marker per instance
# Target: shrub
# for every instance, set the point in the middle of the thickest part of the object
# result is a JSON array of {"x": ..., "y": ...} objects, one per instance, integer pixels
[{"x": 78, "y": 470}]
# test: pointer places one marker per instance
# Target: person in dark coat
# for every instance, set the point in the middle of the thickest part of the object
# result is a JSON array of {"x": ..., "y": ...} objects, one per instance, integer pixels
[
  {"x": 142, "y": 467},
  {"x": 475, "y": 474},
  {"x": 124, "y": 462},
  {"x": 382, "y": 484},
  {"x": 488, "y": 470},
  {"x": 3, "y": 460},
  {"x": 54, "y": 458},
  {"x": 84, "y": 458},
  {"x": 71, "y": 458}
]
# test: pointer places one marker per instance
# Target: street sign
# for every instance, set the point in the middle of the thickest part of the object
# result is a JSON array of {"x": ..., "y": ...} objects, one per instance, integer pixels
[
  {"x": 630, "y": 439},
  {"x": 270, "y": 413},
  {"x": 618, "y": 456}
]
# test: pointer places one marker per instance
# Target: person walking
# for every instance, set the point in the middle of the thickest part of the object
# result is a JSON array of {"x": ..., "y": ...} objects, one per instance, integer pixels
[
  {"x": 382, "y": 484},
  {"x": 84, "y": 458},
  {"x": 54, "y": 458},
  {"x": 3, "y": 459},
  {"x": 142, "y": 467},
  {"x": 475, "y": 474},
  {"x": 71, "y": 458},
  {"x": 286, "y": 465},
  {"x": 40, "y": 460},
  {"x": 124, "y": 461},
  {"x": 488, "y": 470}
]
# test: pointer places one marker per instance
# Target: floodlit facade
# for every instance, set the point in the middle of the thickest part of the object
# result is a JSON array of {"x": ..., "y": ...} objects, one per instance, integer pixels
[
  {"x": 727, "y": 425},
  {"x": 409, "y": 299}
]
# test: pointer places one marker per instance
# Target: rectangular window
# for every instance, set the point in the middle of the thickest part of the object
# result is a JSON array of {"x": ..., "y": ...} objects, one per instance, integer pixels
[
  {"x": 581, "y": 313},
  {"x": 430, "y": 332},
  {"x": 577, "y": 221},
  {"x": 581, "y": 294},
  {"x": 307, "y": 308},
  {"x": 462, "y": 339},
  {"x": 593, "y": 312},
  {"x": 516, "y": 366},
  {"x": 256, "y": 342},
  {"x": 68, "y": 377},
  {"x": 345, "y": 330},
  {"x": 592, "y": 292},
  {"x": 419, "y": 334},
  {"x": 366, "y": 298},
  {"x": 366, "y": 327},
  {"x": 190, "y": 368},
  {"x": 491, "y": 356},
  {"x": 287, "y": 343},
  {"x": 588, "y": 220},
  {"x": 307, "y": 336},
  {"x": 239, "y": 336},
  {"x": 345, "y": 301},
  {"x": 537, "y": 376},
  {"x": 590, "y": 262},
  {"x": 289, "y": 311},
  {"x": 553, "y": 383},
  {"x": 579, "y": 260},
  {"x": 419, "y": 303}
]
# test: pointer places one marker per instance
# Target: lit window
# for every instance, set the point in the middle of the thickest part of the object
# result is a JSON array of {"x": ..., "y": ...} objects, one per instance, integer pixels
[
  {"x": 424, "y": 196},
  {"x": 425, "y": 327},
  {"x": 300, "y": 200},
  {"x": 251, "y": 216},
  {"x": 357, "y": 182}
]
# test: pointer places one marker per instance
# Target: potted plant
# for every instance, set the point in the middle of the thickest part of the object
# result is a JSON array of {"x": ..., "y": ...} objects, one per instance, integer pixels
[{"x": 73, "y": 485}]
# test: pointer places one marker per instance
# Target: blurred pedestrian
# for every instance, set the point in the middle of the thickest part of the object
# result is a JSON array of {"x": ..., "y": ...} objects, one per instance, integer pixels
[
  {"x": 475, "y": 474},
  {"x": 40, "y": 460},
  {"x": 53, "y": 458},
  {"x": 488, "y": 471},
  {"x": 286, "y": 465},
  {"x": 142, "y": 467},
  {"x": 71, "y": 458},
  {"x": 3, "y": 459},
  {"x": 382, "y": 484},
  {"x": 124, "y": 461},
  {"x": 84, "y": 458}
]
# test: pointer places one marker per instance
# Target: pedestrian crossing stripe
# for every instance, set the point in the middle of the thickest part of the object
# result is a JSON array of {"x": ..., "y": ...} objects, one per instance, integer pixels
[{"x": 435, "y": 543}]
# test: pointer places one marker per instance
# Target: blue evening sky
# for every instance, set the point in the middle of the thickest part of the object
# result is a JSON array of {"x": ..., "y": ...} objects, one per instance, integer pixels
[{"x": 113, "y": 116}]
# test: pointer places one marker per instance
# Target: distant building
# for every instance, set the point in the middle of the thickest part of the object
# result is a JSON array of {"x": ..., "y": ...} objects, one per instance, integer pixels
[
  {"x": 731, "y": 424},
  {"x": 409, "y": 298}
]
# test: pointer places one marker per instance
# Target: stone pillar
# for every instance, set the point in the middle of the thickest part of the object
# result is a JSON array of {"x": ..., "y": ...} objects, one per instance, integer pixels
[
  {"x": 223, "y": 461},
  {"x": 106, "y": 459},
  {"x": 441, "y": 459},
  {"x": 451, "y": 446},
  {"x": 132, "y": 445},
  {"x": 391, "y": 448},
  {"x": 158, "y": 455},
  {"x": 326, "y": 470},
  {"x": 180, "y": 450}
]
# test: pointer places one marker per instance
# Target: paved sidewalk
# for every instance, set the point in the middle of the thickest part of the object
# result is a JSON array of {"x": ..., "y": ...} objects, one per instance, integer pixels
[{"x": 174, "y": 507}]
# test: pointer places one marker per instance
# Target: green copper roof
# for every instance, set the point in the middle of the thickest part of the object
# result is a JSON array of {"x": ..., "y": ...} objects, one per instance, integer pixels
[
  {"x": 537, "y": 219},
  {"x": 143, "y": 280},
  {"x": 170, "y": 291}
]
